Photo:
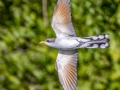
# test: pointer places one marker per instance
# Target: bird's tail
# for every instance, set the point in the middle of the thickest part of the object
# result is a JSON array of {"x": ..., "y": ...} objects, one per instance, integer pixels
[{"x": 100, "y": 41}]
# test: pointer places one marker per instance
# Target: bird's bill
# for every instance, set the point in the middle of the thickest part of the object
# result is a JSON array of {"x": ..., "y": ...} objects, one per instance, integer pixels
[{"x": 42, "y": 42}]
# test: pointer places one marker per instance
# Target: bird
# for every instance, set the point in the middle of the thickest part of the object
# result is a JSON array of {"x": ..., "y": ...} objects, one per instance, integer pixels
[{"x": 68, "y": 44}]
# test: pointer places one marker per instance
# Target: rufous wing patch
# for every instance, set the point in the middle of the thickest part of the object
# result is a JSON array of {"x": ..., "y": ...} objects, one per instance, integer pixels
[{"x": 62, "y": 13}]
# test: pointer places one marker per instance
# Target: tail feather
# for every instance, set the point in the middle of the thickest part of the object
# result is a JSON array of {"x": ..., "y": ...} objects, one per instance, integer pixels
[{"x": 100, "y": 41}]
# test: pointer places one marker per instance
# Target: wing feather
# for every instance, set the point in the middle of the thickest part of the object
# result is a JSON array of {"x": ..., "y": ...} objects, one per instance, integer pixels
[
  {"x": 66, "y": 67},
  {"x": 61, "y": 20}
]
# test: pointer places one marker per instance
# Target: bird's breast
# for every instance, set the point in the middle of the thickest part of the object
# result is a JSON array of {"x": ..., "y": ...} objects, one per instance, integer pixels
[{"x": 66, "y": 43}]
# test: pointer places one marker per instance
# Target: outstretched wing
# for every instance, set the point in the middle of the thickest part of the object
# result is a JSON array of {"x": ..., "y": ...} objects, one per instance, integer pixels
[
  {"x": 66, "y": 66},
  {"x": 61, "y": 20}
]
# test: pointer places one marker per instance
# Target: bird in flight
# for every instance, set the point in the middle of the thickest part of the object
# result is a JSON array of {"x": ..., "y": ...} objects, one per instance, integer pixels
[{"x": 67, "y": 43}]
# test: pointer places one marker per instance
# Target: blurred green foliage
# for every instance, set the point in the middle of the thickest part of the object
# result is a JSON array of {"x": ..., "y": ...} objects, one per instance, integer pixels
[{"x": 26, "y": 65}]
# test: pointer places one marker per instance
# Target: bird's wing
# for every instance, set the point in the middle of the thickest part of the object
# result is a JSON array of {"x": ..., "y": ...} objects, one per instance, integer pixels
[
  {"x": 66, "y": 66},
  {"x": 61, "y": 20}
]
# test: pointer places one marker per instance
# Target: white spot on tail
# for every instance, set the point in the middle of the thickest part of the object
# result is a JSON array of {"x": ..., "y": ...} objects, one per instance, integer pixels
[
  {"x": 101, "y": 36},
  {"x": 95, "y": 37},
  {"x": 106, "y": 44},
  {"x": 102, "y": 46},
  {"x": 95, "y": 45},
  {"x": 106, "y": 35}
]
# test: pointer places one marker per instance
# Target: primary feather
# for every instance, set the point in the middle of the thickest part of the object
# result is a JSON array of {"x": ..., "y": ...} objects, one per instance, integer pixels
[{"x": 61, "y": 20}]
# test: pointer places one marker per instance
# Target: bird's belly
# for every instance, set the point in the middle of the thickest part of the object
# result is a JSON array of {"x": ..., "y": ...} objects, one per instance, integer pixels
[{"x": 67, "y": 44}]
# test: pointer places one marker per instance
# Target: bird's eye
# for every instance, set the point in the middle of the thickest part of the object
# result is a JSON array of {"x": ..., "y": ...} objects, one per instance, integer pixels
[{"x": 47, "y": 40}]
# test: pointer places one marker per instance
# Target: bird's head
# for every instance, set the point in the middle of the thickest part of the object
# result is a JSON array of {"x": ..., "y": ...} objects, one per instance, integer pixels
[{"x": 49, "y": 42}]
